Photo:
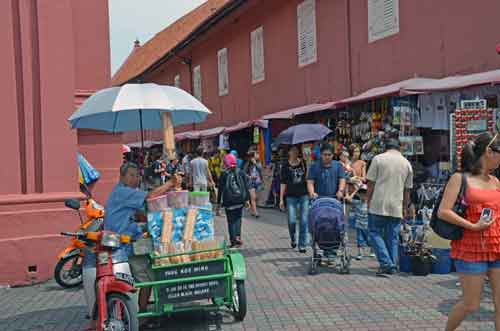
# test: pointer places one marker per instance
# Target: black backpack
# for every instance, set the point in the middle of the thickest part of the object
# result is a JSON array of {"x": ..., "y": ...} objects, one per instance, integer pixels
[
  {"x": 235, "y": 189},
  {"x": 444, "y": 229}
]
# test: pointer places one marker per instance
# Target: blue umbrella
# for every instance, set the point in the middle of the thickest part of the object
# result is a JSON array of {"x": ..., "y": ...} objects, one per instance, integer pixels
[
  {"x": 133, "y": 107},
  {"x": 136, "y": 107},
  {"x": 302, "y": 133}
]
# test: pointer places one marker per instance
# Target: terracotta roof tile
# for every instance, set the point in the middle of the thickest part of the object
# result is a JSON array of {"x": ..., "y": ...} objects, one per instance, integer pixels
[{"x": 145, "y": 56}]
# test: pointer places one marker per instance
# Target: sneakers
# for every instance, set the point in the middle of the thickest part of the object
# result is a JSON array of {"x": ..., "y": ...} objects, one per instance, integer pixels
[
  {"x": 302, "y": 250},
  {"x": 293, "y": 244},
  {"x": 238, "y": 242},
  {"x": 359, "y": 257},
  {"x": 381, "y": 272}
]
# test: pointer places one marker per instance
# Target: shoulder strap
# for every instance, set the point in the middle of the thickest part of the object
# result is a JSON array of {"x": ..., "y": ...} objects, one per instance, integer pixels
[{"x": 463, "y": 186}]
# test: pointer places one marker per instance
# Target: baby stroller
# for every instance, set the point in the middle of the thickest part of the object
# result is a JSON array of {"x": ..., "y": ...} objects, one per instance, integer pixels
[{"x": 328, "y": 235}]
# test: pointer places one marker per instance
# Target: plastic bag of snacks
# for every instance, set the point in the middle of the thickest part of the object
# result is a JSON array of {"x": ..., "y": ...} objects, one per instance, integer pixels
[
  {"x": 204, "y": 227},
  {"x": 155, "y": 224}
]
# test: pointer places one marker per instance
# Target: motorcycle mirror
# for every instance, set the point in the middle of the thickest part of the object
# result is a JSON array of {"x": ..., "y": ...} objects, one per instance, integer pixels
[
  {"x": 72, "y": 203},
  {"x": 85, "y": 190}
]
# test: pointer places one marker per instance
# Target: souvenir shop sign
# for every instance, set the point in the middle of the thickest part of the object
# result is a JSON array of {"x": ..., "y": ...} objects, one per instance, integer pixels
[
  {"x": 412, "y": 145},
  {"x": 473, "y": 104}
]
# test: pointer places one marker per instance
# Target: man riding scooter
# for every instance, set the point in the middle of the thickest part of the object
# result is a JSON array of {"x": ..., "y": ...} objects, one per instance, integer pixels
[{"x": 122, "y": 213}]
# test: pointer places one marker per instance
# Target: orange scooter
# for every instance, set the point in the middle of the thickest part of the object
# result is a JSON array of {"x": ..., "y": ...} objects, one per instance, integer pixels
[{"x": 68, "y": 270}]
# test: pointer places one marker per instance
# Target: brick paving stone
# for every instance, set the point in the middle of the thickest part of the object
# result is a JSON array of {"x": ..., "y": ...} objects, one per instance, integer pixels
[{"x": 281, "y": 295}]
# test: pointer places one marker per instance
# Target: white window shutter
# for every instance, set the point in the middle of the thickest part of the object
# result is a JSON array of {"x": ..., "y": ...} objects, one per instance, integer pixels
[
  {"x": 197, "y": 82},
  {"x": 306, "y": 28},
  {"x": 222, "y": 66},
  {"x": 383, "y": 19},
  {"x": 177, "y": 81},
  {"x": 257, "y": 55}
]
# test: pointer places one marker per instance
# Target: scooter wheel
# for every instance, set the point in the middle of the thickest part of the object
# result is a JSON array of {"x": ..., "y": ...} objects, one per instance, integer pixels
[
  {"x": 68, "y": 271},
  {"x": 122, "y": 313}
]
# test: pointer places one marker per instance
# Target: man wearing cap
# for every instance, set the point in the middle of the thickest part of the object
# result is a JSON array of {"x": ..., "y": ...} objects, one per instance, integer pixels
[{"x": 390, "y": 179}]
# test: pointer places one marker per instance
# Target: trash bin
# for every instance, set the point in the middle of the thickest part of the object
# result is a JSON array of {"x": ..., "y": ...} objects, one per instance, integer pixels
[
  {"x": 443, "y": 263},
  {"x": 404, "y": 260}
]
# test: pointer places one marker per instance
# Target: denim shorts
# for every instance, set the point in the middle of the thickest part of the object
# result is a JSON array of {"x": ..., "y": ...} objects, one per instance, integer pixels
[{"x": 465, "y": 267}]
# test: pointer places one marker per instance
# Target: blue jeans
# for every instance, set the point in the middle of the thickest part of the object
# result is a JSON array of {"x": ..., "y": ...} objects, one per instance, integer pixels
[
  {"x": 384, "y": 232},
  {"x": 294, "y": 205},
  {"x": 234, "y": 223},
  {"x": 362, "y": 237}
]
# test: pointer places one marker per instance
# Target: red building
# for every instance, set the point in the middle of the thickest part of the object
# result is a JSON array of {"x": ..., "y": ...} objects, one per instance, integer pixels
[
  {"x": 55, "y": 54},
  {"x": 346, "y": 48}
]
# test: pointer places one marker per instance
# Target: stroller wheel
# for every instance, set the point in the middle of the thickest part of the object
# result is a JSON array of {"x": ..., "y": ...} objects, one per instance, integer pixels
[
  {"x": 313, "y": 267},
  {"x": 345, "y": 271}
]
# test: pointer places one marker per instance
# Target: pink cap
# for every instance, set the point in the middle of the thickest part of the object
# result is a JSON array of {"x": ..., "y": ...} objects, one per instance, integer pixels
[{"x": 230, "y": 161}]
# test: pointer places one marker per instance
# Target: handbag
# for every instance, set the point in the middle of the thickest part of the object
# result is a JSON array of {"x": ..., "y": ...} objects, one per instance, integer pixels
[{"x": 445, "y": 229}]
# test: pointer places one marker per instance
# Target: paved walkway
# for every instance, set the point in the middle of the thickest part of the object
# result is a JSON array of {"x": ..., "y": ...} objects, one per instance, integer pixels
[{"x": 281, "y": 296}]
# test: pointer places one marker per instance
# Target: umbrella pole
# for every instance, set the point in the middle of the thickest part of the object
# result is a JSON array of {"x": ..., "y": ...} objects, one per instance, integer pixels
[
  {"x": 168, "y": 136},
  {"x": 142, "y": 147},
  {"x": 142, "y": 133}
]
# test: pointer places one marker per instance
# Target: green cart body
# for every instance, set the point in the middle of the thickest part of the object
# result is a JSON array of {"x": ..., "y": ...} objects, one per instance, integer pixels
[{"x": 198, "y": 285}]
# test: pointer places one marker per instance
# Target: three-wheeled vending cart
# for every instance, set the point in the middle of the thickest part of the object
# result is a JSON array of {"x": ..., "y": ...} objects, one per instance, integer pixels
[
  {"x": 191, "y": 269},
  {"x": 207, "y": 284}
]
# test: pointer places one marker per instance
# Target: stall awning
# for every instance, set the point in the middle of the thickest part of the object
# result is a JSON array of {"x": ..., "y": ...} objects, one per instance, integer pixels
[
  {"x": 382, "y": 91},
  {"x": 455, "y": 82},
  {"x": 211, "y": 132},
  {"x": 291, "y": 113},
  {"x": 186, "y": 135},
  {"x": 198, "y": 134},
  {"x": 247, "y": 124},
  {"x": 147, "y": 143}
]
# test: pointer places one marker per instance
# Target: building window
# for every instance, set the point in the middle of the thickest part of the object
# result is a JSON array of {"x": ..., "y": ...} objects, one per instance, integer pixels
[
  {"x": 197, "y": 82},
  {"x": 383, "y": 19},
  {"x": 177, "y": 81},
  {"x": 223, "y": 72},
  {"x": 306, "y": 28},
  {"x": 257, "y": 54}
]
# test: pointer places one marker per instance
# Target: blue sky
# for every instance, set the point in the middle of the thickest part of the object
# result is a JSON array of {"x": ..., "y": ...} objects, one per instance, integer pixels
[{"x": 131, "y": 19}]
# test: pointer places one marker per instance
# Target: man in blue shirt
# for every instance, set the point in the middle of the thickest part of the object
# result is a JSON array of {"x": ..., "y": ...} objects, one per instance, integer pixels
[
  {"x": 122, "y": 211},
  {"x": 326, "y": 177}
]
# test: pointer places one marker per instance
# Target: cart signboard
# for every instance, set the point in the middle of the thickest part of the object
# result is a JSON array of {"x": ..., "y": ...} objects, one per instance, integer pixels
[
  {"x": 190, "y": 270},
  {"x": 192, "y": 291}
]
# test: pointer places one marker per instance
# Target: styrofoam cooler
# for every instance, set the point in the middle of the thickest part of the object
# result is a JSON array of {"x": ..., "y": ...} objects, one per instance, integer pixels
[
  {"x": 157, "y": 204},
  {"x": 443, "y": 264},
  {"x": 178, "y": 199},
  {"x": 199, "y": 198}
]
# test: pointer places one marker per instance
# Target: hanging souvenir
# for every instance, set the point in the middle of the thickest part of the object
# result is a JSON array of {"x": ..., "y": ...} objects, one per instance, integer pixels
[{"x": 256, "y": 134}]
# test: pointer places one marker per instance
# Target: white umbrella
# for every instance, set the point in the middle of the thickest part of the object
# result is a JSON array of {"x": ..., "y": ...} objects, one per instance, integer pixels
[{"x": 134, "y": 107}]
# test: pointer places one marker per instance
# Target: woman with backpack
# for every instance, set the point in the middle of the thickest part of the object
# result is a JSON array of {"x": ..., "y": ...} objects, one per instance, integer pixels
[
  {"x": 294, "y": 188},
  {"x": 234, "y": 195},
  {"x": 477, "y": 252}
]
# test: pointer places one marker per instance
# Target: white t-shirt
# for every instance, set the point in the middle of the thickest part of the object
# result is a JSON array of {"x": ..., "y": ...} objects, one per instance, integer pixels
[
  {"x": 392, "y": 174},
  {"x": 199, "y": 171}
]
